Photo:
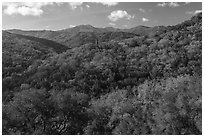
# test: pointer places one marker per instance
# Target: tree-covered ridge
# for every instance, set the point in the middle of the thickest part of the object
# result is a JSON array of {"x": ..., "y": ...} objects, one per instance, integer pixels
[
  {"x": 147, "y": 84},
  {"x": 85, "y": 34}
]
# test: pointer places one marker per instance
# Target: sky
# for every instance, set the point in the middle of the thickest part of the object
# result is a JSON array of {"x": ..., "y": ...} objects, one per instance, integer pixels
[{"x": 56, "y": 16}]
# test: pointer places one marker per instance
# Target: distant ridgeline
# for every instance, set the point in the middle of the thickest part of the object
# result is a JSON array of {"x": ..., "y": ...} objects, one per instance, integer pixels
[{"x": 103, "y": 81}]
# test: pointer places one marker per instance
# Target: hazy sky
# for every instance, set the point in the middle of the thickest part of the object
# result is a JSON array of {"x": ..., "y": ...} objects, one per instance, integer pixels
[{"x": 56, "y": 16}]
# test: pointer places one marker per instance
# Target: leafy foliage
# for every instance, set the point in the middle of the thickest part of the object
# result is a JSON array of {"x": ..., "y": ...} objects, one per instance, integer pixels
[{"x": 123, "y": 83}]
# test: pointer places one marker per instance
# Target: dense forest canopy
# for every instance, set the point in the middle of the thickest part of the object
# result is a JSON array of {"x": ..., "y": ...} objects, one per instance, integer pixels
[{"x": 88, "y": 80}]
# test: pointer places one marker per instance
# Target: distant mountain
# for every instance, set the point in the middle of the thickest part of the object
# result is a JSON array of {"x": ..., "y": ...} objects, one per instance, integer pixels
[
  {"x": 79, "y": 35},
  {"x": 112, "y": 29},
  {"x": 139, "y": 30},
  {"x": 104, "y": 88},
  {"x": 83, "y": 34},
  {"x": 44, "y": 43}
]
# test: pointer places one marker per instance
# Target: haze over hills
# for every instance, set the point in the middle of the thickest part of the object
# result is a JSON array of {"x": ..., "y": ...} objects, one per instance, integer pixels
[
  {"x": 83, "y": 34},
  {"x": 103, "y": 81},
  {"x": 44, "y": 43}
]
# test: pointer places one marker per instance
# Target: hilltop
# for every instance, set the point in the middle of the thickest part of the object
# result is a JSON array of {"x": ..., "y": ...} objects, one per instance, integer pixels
[
  {"x": 83, "y": 34},
  {"x": 103, "y": 81}
]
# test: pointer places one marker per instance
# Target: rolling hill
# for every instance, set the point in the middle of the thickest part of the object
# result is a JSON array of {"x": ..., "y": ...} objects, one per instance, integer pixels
[
  {"x": 83, "y": 34},
  {"x": 137, "y": 81}
]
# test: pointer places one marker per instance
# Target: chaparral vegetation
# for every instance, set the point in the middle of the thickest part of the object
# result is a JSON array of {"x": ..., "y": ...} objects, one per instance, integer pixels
[{"x": 96, "y": 81}]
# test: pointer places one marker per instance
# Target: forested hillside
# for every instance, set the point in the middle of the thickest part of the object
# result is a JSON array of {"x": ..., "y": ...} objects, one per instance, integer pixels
[
  {"x": 142, "y": 81},
  {"x": 85, "y": 34}
]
